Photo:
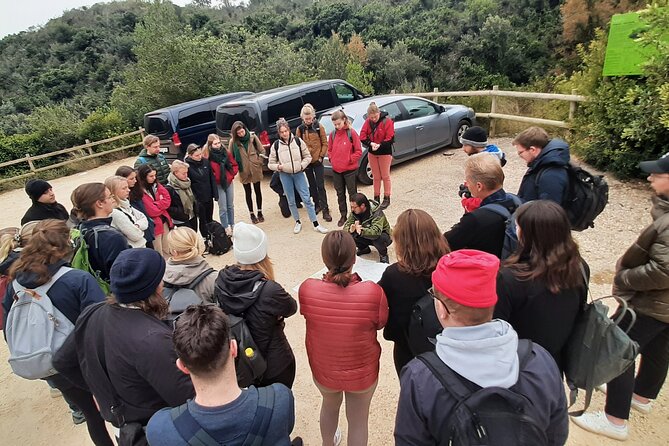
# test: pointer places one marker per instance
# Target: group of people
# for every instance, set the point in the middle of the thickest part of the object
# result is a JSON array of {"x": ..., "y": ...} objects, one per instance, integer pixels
[{"x": 176, "y": 383}]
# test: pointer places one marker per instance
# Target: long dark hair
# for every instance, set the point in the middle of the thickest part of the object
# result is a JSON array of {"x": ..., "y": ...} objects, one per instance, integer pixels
[
  {"x": 338, "y": 252},
  {"x": 419, "y": 244},
  {"x": 546, "y": 250},
  {"x": 143, "y": 171}
]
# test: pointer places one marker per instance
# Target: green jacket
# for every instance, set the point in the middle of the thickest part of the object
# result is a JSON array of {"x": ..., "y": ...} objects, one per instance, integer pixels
[
  {"x": 374, "y": 226},
  {"x": 643, "y": 271},
  {"x": 158, "y": 162}
]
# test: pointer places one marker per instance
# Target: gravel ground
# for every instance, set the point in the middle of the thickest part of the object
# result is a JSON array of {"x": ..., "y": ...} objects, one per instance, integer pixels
[{"x": 28, "y": 416}]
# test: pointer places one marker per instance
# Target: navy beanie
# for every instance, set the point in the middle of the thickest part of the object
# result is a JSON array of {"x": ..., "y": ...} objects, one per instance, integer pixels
[
  {"x": 475, "y": 137},
  {"x": 36, "y": 188},
  {"x": 135, "y": 274}
]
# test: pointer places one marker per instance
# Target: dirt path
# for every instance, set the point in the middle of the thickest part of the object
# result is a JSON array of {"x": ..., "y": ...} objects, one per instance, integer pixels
[{"x": 28, "y": 416}]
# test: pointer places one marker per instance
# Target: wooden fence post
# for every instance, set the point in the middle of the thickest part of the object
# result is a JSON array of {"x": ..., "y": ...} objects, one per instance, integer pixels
[
  {"x": 436, "y": 98},
  {"x": 572, "y": 105},
  {"x": 90, "y": 149},
  {"x": 392, "y": 91},
  {"x": 493, "y": 109},
  {"x": 142, "y": 134},
  {"x": 30, "y": 163}
]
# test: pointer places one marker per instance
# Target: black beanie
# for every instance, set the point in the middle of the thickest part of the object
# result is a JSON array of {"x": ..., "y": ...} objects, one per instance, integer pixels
[
  {"x": 36, "y": 188},
  {"x": 135, "y": 274},
  {"x": 475, "y": 137}
]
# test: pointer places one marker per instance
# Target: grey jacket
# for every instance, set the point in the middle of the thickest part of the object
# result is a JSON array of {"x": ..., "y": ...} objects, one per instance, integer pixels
[{"x": 183, "y": 273}]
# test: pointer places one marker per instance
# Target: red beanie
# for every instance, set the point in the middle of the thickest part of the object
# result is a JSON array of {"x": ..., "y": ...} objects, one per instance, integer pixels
[{"x": 468, "y": 277}]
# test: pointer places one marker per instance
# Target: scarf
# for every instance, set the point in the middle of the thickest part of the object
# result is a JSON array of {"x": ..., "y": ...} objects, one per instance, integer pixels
[
  {"x": 235, "y": 148},
  {"x": 185, "y": 193}
]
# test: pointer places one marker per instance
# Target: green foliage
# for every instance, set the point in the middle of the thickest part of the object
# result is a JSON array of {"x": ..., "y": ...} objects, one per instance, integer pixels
[
  {"x": 359, "y": 78},
  {"x": 103, "y": 124},
  {"x": 56, "y": 127}
]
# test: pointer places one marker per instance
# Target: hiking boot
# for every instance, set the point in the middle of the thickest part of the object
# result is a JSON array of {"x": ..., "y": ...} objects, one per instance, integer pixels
[
  {"x": 297, "y": 228},
  {"x": 261, "y": 217},
  {"x": 78, "y": 417},
  {"x": 320, "y": 228},
  {"x": 341, "y": 221},
  {"x": 384, "y": 259},
  {"x": 596, "y": 422},
  {"x": 326, "y": 215},
  {"x": 254, "y": 219},
  {"x": 363, "y": 251},
  {"x": 377, "y": 198},
  {"x": 385, "y": 203}
]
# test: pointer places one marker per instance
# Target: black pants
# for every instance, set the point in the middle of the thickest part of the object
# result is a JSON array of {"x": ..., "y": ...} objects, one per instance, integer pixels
[
  {"x": 653, "y": 338},
  {"x": 204, "y": 210},
  {"x": 381, "y": 242},
  {"x": 84, "y": 401},
  {"x": 249, "y": 199},
  {"x": 401, "y": 356},
  {"x": 344, "y": 182},
  {"x": 314, "y": 172}
]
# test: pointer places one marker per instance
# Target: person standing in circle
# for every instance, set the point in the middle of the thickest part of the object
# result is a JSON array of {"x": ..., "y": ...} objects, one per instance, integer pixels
[
  {"x": 378, "y": 134},
  {"x": 248, "y": 151},
  {"x": 156, "y": 201},
  {"x": 225, "y": 168},
  {"x": 203, "y": 183}
]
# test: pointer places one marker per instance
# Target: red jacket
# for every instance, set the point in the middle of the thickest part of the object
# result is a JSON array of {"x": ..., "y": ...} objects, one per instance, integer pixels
[
  {"x": 383, "y": 133},
  {"x": 341, "y": 331},
  {"x": 157, "y": 208},
  {"x": 344, "y": 155},
  {"x": 229, "y": 175}
]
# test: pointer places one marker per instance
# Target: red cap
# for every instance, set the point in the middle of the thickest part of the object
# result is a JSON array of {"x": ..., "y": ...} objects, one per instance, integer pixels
[{"x": 468, "y": 277}]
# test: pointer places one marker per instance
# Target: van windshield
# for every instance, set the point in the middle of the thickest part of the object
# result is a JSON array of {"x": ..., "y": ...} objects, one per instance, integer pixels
[
  {"x": 157, "y": 125},
  {"x": 227, "y": 115}
]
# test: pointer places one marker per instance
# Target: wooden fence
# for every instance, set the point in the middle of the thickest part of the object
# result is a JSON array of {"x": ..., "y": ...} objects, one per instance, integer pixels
[
  {"x": 495, "y": 93},
  {"x": 85, "y": 151}
]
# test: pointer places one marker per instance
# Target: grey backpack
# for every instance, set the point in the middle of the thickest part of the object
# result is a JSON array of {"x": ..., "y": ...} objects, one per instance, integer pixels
[
  {"x": 35, "y": 330},
  {"x": 181, "y": 297}
]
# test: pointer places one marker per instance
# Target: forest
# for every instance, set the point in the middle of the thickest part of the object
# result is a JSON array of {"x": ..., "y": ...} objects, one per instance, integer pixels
[{"x": 94, "y": 71}]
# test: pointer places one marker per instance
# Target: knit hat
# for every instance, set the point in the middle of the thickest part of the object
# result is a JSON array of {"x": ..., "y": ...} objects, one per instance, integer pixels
[
  {"x": 36, "y": 188},
  {"x": 249, "y": 243},
  {"x": 658, "y": 166},
  {"x": 135, "y": 274},
  {"x": 475, "y": 137},
  {"x": 468, "y": 277}
]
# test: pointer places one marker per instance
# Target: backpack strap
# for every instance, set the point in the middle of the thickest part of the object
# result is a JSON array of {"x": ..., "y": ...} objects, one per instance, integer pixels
[
  {"x": 200, "y": 278},
  {"x": 189, "y": 429},
  {"x": 256, "y": 435},
  {"x": 498, "y": 209},
  {"x": 43, "y": 289}
]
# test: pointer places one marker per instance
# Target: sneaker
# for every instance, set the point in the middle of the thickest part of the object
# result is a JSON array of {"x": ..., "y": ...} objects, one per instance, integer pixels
[
  {"x": 261, "y": 217},
  {"x": 228, "y": 231},
  {"x": 320, "y": 228},
  {"x": 596, "y": 422},
  {"x": 254, "y": 219},
  {"x": 637, "y": 405},
  {"x": 297, "y": 228},
  {"x": 78, "y": 417},
  {"x": 326, "y": 215},
  {"x": 363, "y": 251},
  {"x": 384, "y": 259},
  {"x": 337, "y": 437},
  {"x": 341, "y": 221}
]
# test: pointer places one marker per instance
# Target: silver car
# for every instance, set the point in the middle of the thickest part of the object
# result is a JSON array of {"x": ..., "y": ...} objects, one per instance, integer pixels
[{"x": 421, "y": 126}]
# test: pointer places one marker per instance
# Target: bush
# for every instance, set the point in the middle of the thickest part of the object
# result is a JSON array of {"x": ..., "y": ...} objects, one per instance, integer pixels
[{"x": 103, "y": 124}]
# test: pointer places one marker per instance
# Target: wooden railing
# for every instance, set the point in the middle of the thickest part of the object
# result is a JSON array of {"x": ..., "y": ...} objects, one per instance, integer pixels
[
  {"x": 495, "y": 93},
  {"x": 85, "y": 151}
]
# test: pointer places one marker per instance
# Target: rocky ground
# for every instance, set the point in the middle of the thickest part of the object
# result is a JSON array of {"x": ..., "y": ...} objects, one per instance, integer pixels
[{"x": 28, "y": 416}]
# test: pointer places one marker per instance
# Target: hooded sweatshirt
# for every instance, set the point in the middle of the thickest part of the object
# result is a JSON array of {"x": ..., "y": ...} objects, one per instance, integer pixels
[
  {"x": 44, "y": 211},
  {"x": 264, "y": 304},
  {"x": 183, "y": 273},
  {"x": 494, "y": 150},
  {"x": 546, "y": 177}
]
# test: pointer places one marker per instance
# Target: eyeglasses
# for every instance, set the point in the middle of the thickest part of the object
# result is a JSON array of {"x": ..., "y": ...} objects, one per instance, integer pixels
[{"x": 434, "y": 296}]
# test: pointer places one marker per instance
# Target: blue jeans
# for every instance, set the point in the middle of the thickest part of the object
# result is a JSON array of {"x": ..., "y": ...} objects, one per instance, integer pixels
[
  {"x": 297, "y": 181},
  {"x": 226, "y": 205}
]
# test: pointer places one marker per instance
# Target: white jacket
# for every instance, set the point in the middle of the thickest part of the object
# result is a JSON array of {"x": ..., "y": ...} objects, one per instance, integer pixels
[
  {"x": 132, "y": 224},
  {"x": 292, "y": 157}
]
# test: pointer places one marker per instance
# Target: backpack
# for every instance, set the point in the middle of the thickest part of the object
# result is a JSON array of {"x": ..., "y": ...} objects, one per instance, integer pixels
[
  {"x": 193, "y": 434},
  {"x": 275, "y": 146},
  {"x": 348, "y": 132},
  {"x": 4, "y": 281},
  {"x": 598, "y": 350},
  {"x": 510, "y": 237},
  {"x": 488, "y": 415},
  {"x": 35, "y": 329},
  {"x": 219, "y": 242},
  {"x": 81, "y": 260},
  {"x": 424, "y": 326},
  {"x": 250, "y": 363},
  {"x": 181, "y": 297},
  {"x": 586, "y": 197}
]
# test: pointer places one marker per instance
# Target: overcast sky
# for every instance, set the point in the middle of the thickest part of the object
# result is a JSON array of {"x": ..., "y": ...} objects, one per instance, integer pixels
[{"x": 19, "y": 15}]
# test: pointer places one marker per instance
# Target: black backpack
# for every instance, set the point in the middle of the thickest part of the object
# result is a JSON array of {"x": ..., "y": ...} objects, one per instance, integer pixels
[
  {"x": 424, "y": 326},
  {"x": 586, "y": 197},
  {"x": 250, "y": 364},
  {"x": 181, "y": 297},
  {"x": 219, "y": 242},
  {"x": 488, "y": 415}
]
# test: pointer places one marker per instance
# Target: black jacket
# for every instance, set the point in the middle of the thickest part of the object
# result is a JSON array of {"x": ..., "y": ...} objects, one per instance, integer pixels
[
  {"x": 176, "y": 209},
  {"x": 482, "y": 229},
  {"x": 135, "y": 350},
  {"x": 202, "y": 180},
  {"x": 549, "y": 169},
  {"x": 264, "y": 304},
  {"x": 109, "y": 244},
  {"x": 42, "y": 211}
]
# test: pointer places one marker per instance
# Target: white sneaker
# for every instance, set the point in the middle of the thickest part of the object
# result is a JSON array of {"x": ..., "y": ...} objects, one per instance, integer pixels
[
  {"x": 337, "y": 437},
  {"x": 228, "y": 231},
  {"x": 643, "y": 408},
  {"x": 297, "y": 228},
  {"x": 320, "y": 228},
  {"x": 597, "y": 423}
]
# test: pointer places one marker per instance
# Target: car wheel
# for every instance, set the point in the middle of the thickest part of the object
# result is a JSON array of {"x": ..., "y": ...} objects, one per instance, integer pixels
[
  {"x": 365, "y": 172},
  {"x": 463, "y": 125}
]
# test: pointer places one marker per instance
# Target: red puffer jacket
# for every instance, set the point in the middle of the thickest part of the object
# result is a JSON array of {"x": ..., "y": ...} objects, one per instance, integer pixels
[
  {"x": 344, "y": 153},
  {"x": 341, "y": 331}
]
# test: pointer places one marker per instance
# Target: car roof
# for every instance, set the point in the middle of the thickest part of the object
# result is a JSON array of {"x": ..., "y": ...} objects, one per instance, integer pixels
[
  {"x": 359, "y": 107},
  {"x": 274, "y": 93},
  {"x": 180, "y": 105}
]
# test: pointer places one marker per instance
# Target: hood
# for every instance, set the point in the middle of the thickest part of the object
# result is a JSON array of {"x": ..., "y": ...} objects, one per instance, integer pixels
[
  {"x": 555, "y": 153},
  {"x": 660, "y": 206},
  {"x": 9, "y": 261},
  {"x": 237, "y": 289},
  {"x": 29, "y": 279},
  {"x": 182, "y": 273},
  {"x": 192, "y": 162},
  {"x": 485, "y": 354}
]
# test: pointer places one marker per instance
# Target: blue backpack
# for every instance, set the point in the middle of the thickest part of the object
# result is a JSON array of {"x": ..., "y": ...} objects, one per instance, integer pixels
[{"x": 510, "y": 236}]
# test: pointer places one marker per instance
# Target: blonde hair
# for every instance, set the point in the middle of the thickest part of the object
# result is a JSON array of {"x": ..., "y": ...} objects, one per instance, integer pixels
[
  {"x": 307, "y": 110},
  {"x": 265, "y": 266},
  {"x": 210, "y": 140},
  {"x": 9, "y": 240},
  {"x": 113, "y": 183},
  {"x": 486, "y": 169},
  {"x": 150, "y": 139},
  {"x": 184, "y": 244},
  {"x": 177, "y": 164},
  {"x": 373, "y": 108}
]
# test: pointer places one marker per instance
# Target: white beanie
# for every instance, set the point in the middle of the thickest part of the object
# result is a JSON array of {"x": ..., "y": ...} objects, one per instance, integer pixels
[{"x": 249, "y": 243}]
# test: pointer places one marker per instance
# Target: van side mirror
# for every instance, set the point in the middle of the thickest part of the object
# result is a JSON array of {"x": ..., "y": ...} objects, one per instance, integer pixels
[{"x": 442, "y": 109}]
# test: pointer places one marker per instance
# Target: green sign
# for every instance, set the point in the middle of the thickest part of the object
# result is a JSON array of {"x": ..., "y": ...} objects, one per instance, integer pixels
[{"x": 624, "y": 55}]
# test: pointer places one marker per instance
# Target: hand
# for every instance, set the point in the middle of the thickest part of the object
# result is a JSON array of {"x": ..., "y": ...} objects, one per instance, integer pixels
[
  {"x": 280, "y": 168},
  {"x": 358, "y": 227},
  {"x": 352, "y": 228},
  {"x": 375, "y": 146}
]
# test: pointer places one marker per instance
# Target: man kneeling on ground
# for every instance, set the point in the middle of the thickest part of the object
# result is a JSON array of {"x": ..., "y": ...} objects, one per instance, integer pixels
[
  {"x": 368, "y": 226},
  {"x": 221, "y": 412},
  {"x": 477, "y": 356}
]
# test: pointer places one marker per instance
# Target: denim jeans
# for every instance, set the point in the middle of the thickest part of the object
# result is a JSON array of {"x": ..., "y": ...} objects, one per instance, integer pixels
[
  {"x": 314, "y": 172},
  {"x": 297, "y": 181},
  {"x": 226, "y": 205}
]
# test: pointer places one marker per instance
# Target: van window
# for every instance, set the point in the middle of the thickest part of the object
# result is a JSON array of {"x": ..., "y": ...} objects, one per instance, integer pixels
[
  {"x": 344, "y": 93},
  {"x": 285, "y": 108},
  {"x": 195, "y": 116},
  {"x": 226, "y": 116},
  {"x": 157, "y": 125},
  {"x": 321, "y": 99}
]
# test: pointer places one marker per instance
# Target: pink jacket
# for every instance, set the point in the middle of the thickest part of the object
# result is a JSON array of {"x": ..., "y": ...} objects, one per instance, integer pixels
[
  {"x": 343, "y": 154},
  {"x": 157, "y": 207},
  {"x": 341, "y": 331}
]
